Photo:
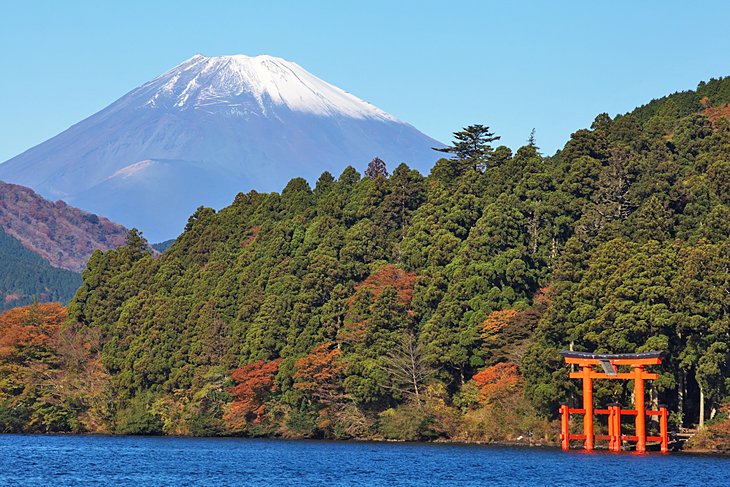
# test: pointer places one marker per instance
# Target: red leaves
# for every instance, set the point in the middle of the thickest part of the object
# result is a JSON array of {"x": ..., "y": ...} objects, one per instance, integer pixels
[
  {"x": 390, "y": 275},
  {"x": 498, "y": 382},
  {"x": 255, "y": 385}
]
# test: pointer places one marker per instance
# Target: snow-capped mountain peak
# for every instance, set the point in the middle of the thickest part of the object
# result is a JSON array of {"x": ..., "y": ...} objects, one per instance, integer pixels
[
  {"x": 205, "y": 130},
  {"x": 252, "y": 84}
]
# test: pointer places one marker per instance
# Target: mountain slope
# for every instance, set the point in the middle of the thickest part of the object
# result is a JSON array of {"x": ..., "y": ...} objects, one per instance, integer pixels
[
  {"x": 25, "y": 276},
  {"x": 205, "y": 130},
  {"x": 64, "y": 236}
]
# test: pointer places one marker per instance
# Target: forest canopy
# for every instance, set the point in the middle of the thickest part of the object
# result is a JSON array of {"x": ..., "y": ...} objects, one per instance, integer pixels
[{"x": 406, "y": 306}]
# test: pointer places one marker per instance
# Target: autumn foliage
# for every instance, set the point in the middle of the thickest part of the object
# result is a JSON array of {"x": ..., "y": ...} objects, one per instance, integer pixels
[
  {"x": 387, "y": 276},
  {"x": 716, "y": 436},
  {"x": 33, "y": 393},
  {"x": 319, "y": 377},
  {"x": 390, "y": 275},
  {"x": 61, "y": 234},
  {"x": 319, "y": 374},
  {"x": 498, "y": 382},
  {"x": 498, "y": 321},
  {"x": 29, "y": 326},
  {"x": 716, "y": 113},
  {"x": 255, "y": 383}
]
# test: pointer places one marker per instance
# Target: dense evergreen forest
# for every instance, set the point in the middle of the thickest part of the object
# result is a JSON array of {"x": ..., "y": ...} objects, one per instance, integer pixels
[
  {"x": 410, "y": 307},
  {"x": 25, "y": 276}
]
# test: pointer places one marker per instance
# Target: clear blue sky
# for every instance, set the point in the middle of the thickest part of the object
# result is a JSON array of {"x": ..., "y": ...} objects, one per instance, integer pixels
[{"x": 551, "y": 65}]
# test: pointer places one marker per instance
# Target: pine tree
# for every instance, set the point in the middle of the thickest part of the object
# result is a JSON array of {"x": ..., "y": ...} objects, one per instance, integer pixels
[
  {"x": 471, "y": 147},
  {"x": 376, "y": 168}
]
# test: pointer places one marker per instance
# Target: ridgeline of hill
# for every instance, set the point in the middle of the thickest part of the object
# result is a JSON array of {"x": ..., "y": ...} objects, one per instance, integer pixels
[
  {"x": 63, "y": 235},
  {"x": 409, "y": 307}
]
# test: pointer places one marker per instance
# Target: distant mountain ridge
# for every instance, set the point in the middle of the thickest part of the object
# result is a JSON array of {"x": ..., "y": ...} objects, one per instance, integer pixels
[
  {"x": 205, "y": 130},
  {"x": 63, "y": 235}
]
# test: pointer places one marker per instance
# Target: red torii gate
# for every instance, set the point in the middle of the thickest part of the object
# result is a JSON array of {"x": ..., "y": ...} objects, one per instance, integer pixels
[{"x": 588, "y": 362}]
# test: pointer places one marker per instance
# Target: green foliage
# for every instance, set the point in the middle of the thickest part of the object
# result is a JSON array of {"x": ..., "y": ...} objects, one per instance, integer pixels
[
  {"x": 138, "y": 418},
  {"x": 645, "y": 269},
  {"x": 625, "y": 232},
  {"x": 26, "y": 277},
  {"x": 471, "y": 147},
  {"x": 162, "y": 246},
  {"x": 407, "y": 423}
]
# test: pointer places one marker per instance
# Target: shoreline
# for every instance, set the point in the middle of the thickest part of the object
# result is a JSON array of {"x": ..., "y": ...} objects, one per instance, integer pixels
[{"x": 496, "y": 444}]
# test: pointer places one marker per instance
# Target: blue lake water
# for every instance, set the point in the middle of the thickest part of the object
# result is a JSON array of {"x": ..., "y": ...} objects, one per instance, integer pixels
[{"x": 30, "y": 460}]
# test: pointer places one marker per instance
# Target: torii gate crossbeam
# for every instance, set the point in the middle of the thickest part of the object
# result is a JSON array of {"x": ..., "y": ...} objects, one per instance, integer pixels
[{"x": 609, "y": 362}]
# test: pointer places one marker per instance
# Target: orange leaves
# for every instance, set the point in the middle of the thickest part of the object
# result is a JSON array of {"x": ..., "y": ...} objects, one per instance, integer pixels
[
  {"x": 255, "y": 383},
  {"x": 319, "y": 377},
  {"x": 498, "y": 321},
  {"x": 715, "y": 113},
  {"x": 715, "y": 437},
  {"x": 29, "y": 326},
  {"x": 494, "y": 329},
  {"x": 498, "y": 382},
  {"x": 543, "y": 297},
  {"x": 386, "y": 276},
  {"x": 390, "y": 275},
  {"x": 352, "y": 332},
  {"x": 319, "y": 374}
]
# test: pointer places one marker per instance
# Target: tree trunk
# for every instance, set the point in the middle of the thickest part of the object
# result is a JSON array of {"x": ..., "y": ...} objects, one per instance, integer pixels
[
  {"x": 702, "y": 409},
  {"x": 414, "y": 373},
  {"x": 654, "y": 401},
  {"x": 680, "y": 395}
]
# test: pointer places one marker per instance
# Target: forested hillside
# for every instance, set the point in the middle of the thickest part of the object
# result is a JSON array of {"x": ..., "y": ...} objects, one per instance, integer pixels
[
  {"x": 25, "y": 276},
  {"x": 412, "y": 307}
]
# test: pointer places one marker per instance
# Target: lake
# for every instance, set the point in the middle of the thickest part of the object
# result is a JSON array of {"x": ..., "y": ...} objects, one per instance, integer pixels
[{"x": 33, "y": 460}]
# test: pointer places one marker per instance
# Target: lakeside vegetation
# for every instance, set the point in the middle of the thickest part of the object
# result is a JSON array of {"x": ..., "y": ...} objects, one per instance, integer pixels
[{"x": 407, "y": 307}]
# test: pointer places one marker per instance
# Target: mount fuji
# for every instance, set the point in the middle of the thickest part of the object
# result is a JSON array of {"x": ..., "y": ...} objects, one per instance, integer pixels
[{"x": 205, "y": 130}]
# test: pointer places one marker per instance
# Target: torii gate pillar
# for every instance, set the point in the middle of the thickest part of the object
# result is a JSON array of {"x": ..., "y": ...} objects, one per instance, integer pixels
[
  {"x": 609, "y": 362},
  {"x": 587, "y": 407}
]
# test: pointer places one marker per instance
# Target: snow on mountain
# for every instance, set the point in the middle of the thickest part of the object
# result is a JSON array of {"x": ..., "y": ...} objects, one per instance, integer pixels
[
  {"x": 232, "y": 83},
  {"x": 205, "y": 130}
]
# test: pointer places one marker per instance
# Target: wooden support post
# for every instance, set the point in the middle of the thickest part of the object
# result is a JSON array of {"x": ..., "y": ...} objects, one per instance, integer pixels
[
  {"x": 639, "y": 400},
  {"x": 617, "y": 427},
  {"x": 611, "y": 432},
  {"x": 564, "y": 427},
  {"x": 663, "y": 430},
  {"x": 588, "y": 407}
]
